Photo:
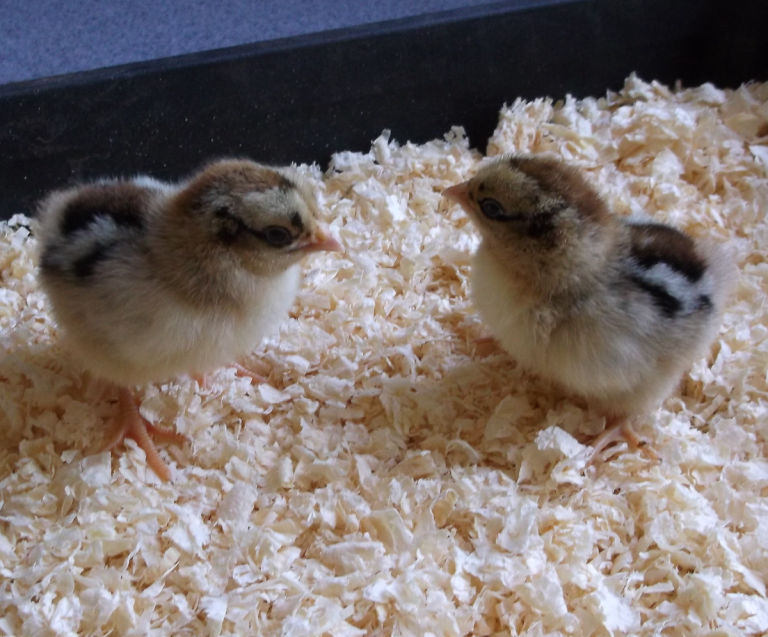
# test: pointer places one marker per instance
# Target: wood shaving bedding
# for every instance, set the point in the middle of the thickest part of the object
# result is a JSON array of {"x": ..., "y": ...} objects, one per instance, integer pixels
[{"x": 397, "y": 475}]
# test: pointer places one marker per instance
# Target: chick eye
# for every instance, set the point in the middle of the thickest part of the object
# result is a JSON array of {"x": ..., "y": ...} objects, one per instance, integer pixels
[
  {"x": 277, "y": 236},
  {"x": 492, "y": 208}
]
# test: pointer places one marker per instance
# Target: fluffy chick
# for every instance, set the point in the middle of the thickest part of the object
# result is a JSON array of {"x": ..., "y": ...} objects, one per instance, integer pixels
[
  {"x": 613, "y": 309},
  {"x": 150, "y": 280}
]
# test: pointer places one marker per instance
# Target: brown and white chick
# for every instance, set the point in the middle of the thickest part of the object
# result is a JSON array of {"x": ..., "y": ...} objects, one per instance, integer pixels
[
  {"x": 613, "y": 309},
  {"x": 150, "y": 280}
]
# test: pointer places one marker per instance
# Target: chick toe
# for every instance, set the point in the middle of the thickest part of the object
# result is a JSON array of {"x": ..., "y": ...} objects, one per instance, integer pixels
[
  {"x": 618, "y": 430},
  {"x": 129, "y": 423}
]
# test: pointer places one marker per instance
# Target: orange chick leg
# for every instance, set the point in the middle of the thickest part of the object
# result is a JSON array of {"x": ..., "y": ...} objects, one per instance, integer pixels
[
  {"x": 131, "y": 424},
  {"x": 616, "y": 430}
]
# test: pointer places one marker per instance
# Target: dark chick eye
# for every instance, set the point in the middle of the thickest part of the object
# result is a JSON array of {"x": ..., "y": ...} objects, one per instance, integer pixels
[
  {"x": 277, "y": 236},
  {"x": 492, "y": 208}
]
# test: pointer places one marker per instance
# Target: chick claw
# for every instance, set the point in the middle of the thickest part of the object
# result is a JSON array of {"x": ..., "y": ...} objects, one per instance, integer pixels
[
  {"x": 240, "y": 371},
  {"x": 131, "y": 424},
  {"x": 617, "y": 430}
]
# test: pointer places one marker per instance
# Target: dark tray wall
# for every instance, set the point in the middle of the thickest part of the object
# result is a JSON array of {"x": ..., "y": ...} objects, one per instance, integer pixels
[{"x": 301, "y": 99}]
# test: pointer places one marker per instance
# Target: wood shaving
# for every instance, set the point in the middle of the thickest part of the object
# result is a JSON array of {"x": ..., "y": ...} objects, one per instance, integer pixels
[{"x": 397, "y": 475}]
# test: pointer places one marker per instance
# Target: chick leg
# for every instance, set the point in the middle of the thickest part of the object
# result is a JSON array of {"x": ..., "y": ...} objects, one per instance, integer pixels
[
  {"x": 616, "y": 430},
  {"x": 131, "y": 424}
]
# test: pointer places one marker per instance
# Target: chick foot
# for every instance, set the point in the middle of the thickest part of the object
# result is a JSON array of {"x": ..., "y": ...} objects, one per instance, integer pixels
[
  {"x": 240, "y": 371},
  {"x": 131, "y": 424},
  {"x": 617, "y": 430}
]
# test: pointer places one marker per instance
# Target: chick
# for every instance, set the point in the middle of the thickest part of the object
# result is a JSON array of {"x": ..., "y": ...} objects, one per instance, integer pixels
[
  {"x": 613, "y": 309},
  {"x": 150, "y": 280}
]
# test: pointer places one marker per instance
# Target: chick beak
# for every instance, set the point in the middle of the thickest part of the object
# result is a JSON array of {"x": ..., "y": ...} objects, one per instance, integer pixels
[
  {"x": 319, "y": 241},
  {"x": 459, "y": 193}
]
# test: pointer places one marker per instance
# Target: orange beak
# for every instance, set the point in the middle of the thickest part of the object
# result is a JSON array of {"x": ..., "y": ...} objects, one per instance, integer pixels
[
  {"x": 320, "y": 241},
  {"x": 459, "y": 193}
]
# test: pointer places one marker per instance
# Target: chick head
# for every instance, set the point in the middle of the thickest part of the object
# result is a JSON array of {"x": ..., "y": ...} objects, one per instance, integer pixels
[
  {"x": 530, "y": 204},
  {"x": 260, "y": 215}
]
